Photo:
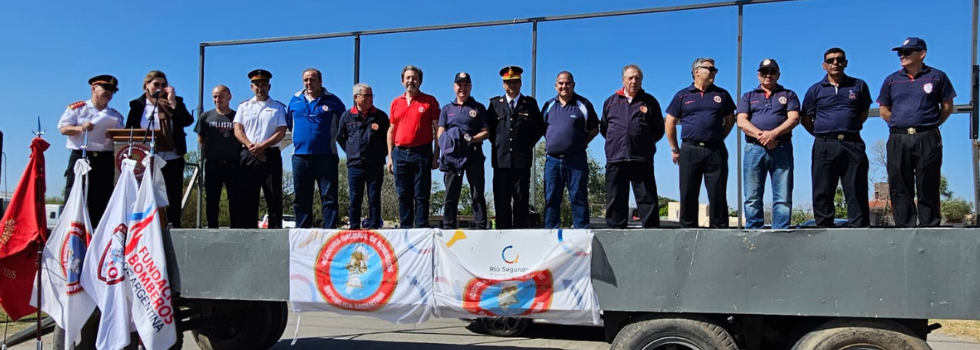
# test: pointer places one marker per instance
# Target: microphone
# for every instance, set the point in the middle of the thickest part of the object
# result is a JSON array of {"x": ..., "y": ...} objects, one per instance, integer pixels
[{"x": 156, "y": 94}]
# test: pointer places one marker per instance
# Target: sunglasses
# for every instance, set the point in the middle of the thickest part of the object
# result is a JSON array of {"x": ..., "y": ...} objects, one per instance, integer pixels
[
  {"x": 710, "y": 69},
  {"x": 768, "y": 71},
  {"x": 833, "y": 60},
  {"x": 906, "y": 52},
  {"x": 159, "y": 85}
]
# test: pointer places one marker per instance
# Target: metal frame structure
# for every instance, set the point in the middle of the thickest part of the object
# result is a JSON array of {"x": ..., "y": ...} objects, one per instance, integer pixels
[{"x": 740, "y": 4}]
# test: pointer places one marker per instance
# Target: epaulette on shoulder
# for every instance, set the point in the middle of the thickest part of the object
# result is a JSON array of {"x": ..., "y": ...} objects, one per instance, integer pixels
[
  {"x": 244, "y": 101},
  {"x": 76, "y": 105}
]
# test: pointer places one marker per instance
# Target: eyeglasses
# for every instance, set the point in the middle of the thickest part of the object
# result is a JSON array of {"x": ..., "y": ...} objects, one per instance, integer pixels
[
  {"x": 833, "y": 60},
  {"x": 366, "y": 95},
  {"x": 159, "y": 84},
  {"x": 906, "y": 52},
  {"x": 709, "y": 68}
]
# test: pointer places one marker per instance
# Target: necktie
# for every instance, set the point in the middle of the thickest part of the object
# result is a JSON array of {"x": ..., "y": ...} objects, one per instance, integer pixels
[{"x": 513, "y": 104}]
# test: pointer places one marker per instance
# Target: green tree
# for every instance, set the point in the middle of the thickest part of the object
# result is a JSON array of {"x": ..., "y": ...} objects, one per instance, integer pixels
[
  {"x": 596, "y": 186},
  {"x": 956, "y": 210},
  {"x": 840, "y": 205}
]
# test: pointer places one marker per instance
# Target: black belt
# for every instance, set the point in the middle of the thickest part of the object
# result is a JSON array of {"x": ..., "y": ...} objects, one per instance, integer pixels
[
  {"x": 412, "y": 148},
  {"x": 840, "y": 136},
  {"x": 756, "y": 141},
  {"x": 709, "y": 143},
  {"x": 912, "y": 130},
  {"x": 92, "y": 153}
]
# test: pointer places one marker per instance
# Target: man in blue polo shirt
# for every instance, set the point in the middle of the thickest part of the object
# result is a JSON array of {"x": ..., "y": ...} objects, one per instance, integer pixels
[
  {"x": 767, "y": 116},
  {"x": 915, "y": 101},
  {"x": 570, "y": 124},
  {"x": 706, "y": 114},
  {"x": 834, "y": 111},
  {"x": 462, "y": 129},
  {"x": 632, "y": 123},
  {"x": 314, "y": 116}
]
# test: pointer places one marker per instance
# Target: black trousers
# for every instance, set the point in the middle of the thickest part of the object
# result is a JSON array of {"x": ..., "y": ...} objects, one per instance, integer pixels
[
  {"x": 708, "y": 161},
  {"x": 914, "y": 163},
  {"x": 474, "y": 173},
  {"x": 100, "y": 181},
  {"x": 619, "y": 176},
  {"x": 222, "y": 173},
  {"x": 845, "y": 160},
  {"x": 173, "y": 177},
  {"x": 512, "y": 186},
  {"x": 267, "y": 177}
]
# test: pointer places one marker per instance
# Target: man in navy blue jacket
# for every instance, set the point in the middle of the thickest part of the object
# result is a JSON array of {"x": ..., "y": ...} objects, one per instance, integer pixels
[
  {"x": 632, "y": 123},
  {"x": 313, "y": 116},
  {"x": 362, "y": 136}
]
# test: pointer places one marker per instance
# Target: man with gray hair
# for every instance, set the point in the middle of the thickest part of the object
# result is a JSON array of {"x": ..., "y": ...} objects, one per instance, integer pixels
[
  {"x": 363, "y": 137},
  {"x": 632, "y": 123},
  {"x": 313, "y": 117},
  {"x": 706, "y": 114}
]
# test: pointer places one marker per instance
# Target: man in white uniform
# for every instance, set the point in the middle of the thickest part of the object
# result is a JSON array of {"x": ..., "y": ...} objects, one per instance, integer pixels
[{"x": 259, "y": 125}]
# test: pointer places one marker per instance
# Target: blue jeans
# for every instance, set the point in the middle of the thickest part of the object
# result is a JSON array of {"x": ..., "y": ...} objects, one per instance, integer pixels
[
  {"x": 571, "y": 171},
  {"x": 373, "y": 176},
  {"x": 322, "y": 169},
  {"x": 413, "y": 183},
  {"x": 757, "y": 163}
]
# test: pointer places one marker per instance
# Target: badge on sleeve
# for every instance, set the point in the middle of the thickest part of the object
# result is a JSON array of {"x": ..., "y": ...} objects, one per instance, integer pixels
[
  {"x": 717, "y": 99},
  {"x": 643, "y": 109},
  {"x": 927, "y": 88},
  {"x": 501, "y": 100},
  {"x": 782, "y": 99},
  {"x": 472, "y": 113},
  {"x": 374, "y": 126},
  {"x": 326, "y": 108}
]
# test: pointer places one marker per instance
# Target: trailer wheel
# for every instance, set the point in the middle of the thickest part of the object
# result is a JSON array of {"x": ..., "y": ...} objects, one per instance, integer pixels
[
  {"x": 844, "y": 334},
  {"x": 257, "y": 327},
  {"x": 505, "y": 326},
  {"x": 690, "y": 332}
]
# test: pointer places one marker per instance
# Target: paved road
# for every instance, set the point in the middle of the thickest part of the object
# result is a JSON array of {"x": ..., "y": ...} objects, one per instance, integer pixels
[{"x": 330, "y": 331}]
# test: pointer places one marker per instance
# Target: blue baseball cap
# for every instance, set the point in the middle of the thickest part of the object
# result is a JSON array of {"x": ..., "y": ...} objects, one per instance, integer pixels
[{"x": 912, "y": 43}]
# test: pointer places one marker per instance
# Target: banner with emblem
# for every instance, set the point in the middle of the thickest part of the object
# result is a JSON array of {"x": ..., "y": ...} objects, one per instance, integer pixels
[
  {"x": 380, "y": 273},
  {"x": 62, "y": 295},
  {"x": 543, "y": 274}
]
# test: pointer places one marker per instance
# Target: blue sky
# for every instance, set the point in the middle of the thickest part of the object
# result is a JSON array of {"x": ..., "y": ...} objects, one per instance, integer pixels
[{"x": 53, "y": 47}]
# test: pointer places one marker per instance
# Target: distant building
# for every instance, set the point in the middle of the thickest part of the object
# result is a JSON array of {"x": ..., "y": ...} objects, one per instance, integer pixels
[{"x": 881, "y": 206}]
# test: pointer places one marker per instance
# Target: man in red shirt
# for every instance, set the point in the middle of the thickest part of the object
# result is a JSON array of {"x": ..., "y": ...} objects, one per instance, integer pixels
[{"x": 414, "y": 119}]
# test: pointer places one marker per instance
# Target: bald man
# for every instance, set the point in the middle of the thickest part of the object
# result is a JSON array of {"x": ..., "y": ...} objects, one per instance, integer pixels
[{"x": 221, "y": 150}]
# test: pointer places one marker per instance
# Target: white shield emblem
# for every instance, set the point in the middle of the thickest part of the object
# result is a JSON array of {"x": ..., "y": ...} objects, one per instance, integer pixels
[
  {"x": 927, "y": 88},
  {"x": 717, "y": 99},
  {"x": 782, "y": 99}
]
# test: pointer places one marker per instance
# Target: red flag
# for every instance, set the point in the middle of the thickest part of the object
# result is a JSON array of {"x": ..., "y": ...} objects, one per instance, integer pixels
[{"x": 22, "y": 228}]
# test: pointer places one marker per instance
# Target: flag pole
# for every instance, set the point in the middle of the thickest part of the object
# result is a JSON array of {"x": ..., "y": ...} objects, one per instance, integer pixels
[{"x": 40, "y": 253}]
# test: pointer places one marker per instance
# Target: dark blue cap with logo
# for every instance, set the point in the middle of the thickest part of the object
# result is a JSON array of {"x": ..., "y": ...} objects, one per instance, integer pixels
[{"x": 912, "y": 43}]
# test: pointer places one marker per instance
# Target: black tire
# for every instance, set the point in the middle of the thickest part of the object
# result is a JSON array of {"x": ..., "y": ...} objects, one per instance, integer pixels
[
  {"x": 249, "y": 329},
  {"x": 505, "y": 326},
  {"x": 280, "y": 316},
  {"x": 842, "y": 334},
  {"x": 690, "y": 332}
]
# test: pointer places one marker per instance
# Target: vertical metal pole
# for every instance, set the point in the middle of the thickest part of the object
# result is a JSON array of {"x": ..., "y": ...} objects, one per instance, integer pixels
[
  {"x": 975, "y": 114},
  {"x": 738, "y": 132},
  {"x": 200, "y": 147},
  {"x": 534, "y": 83},
  {"x": 357, "y": 58}
]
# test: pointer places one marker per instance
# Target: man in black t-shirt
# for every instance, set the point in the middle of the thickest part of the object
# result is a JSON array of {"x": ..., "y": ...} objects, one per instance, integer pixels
[{"x": 221, "y": 151}]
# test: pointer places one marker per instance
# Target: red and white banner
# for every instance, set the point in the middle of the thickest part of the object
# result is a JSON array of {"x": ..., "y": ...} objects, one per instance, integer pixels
[
  {"x": 380, "y": 273},
  {"x": 103, "y": 275},
  {"x": 543, "y": 274},
  {"x": 62, "y": 295},
  {"x": 146, "y": 270}
]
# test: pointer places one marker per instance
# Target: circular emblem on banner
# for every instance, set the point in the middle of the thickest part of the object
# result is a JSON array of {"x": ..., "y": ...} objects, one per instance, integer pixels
[
  {"x": 524, "y": 295},
  {"x": 326, "y": 108},
  {"x": 72, "y": 254},
  {"x": 356, "y": 270},
  {"x": 472, "y": 113},
  {"x": 112, "y": 259},
  {"x": 421, "y": 109},
  {"x": 139, "y": 151},
  {"x": 717, "y": 99},
  {"x": 374, "y": 126},
  {"x": 927, "y": 88},
  {"x": 782, "y": 99},
  {"x": 643, "y": 109}
]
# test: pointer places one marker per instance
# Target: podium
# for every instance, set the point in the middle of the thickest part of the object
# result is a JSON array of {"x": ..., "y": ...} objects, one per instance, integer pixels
[{"x": 130, "y": 144}]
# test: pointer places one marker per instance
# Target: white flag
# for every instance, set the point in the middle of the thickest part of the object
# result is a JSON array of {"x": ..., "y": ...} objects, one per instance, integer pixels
[
  {"x": 103, "y": 272},
  {"x": 146, "y": 270},
  {"x": 62, "y": 296}
]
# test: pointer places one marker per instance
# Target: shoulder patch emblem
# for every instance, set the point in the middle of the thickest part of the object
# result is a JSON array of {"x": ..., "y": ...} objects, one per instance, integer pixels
[
  {"x": 472, "y": 113},
  {"x": 501, "y": 100},
  {"x": 326, "y": 108},
  {"x": 421, "y": 109},
  {"x": 77, "y": 105},
  {"x": 374, "y": 126},
  {"x": 717, "y": 99},
  {"x": 927, "y": 88},
  {"x": 643, "y": 109},
  {"x": 782, "y": 99}
]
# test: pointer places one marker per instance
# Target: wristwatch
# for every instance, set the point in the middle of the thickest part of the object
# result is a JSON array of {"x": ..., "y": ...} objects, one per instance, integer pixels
[{"x": 675, "y": 150}]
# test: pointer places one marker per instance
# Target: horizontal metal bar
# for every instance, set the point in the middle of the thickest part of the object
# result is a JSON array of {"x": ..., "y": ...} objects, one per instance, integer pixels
[
  {"x": 957, "y": 109},
  {"x": 492, "y": 23}
]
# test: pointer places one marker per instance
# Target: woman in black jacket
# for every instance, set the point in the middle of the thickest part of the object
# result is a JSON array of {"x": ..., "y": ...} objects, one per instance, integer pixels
[{"x": 169, "y": 118}]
